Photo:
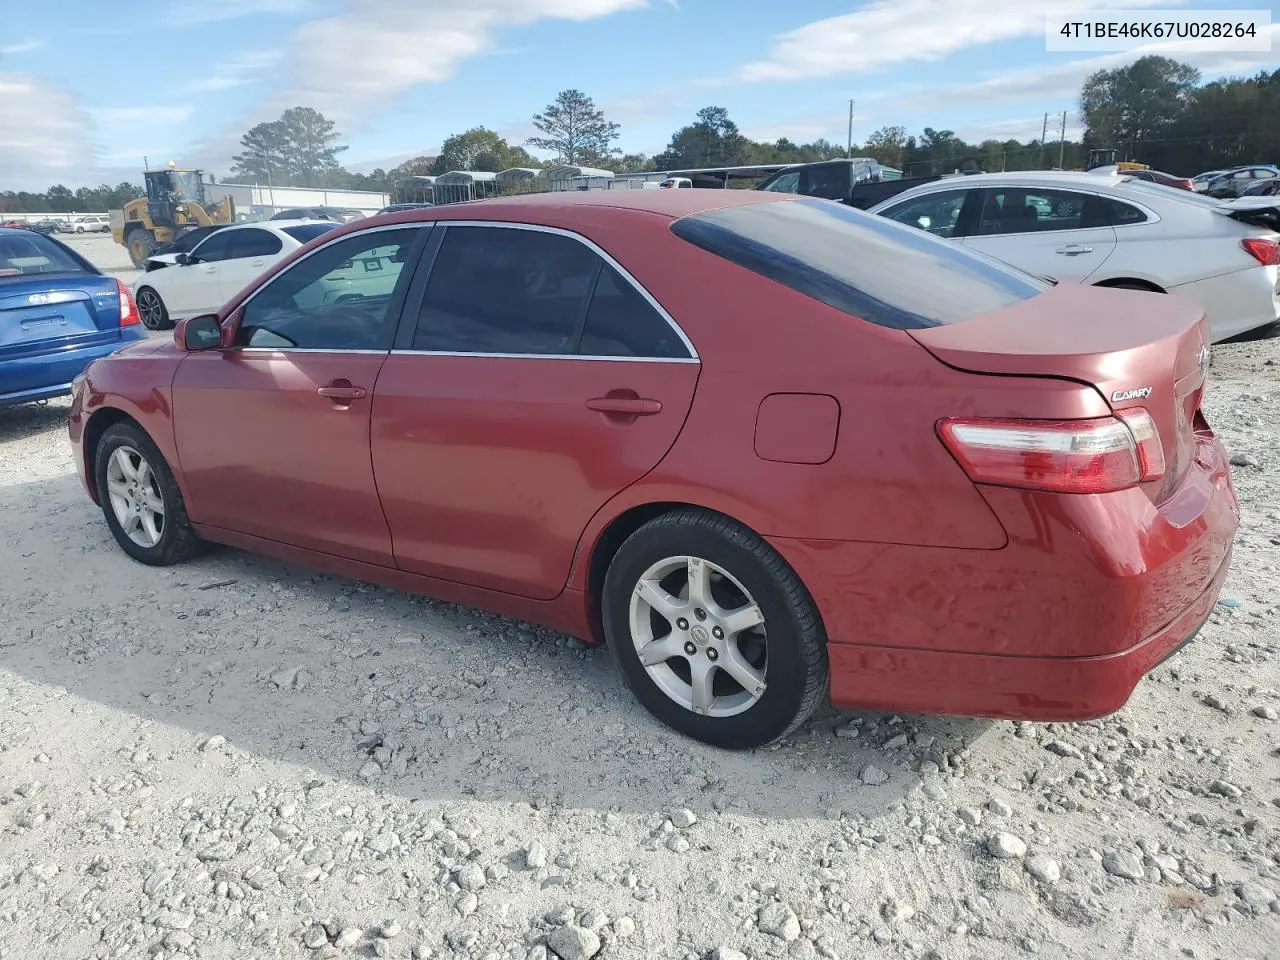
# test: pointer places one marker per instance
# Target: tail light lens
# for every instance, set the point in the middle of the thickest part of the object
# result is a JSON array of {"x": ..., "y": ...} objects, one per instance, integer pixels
[
  {"x": 129, "y": 315},
  {"x": 1266, "y": 252},
  {"x": 1059, "y": 456},
  {"x": 1186, "y": 185}
]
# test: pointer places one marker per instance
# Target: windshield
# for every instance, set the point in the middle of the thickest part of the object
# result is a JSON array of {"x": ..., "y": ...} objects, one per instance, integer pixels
[
  {"x": 862, "y": 264},
  {"x": 26, "y": 254},
  {"x": 309, "y": 231}
]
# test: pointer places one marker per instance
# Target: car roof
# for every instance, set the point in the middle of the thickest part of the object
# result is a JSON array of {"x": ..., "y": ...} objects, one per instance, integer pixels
[
  {"x": 567, "y": 203},
  {"x": 275, "y": 224}
]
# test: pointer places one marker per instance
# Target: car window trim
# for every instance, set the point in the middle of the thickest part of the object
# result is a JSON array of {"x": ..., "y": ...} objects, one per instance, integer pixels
[
  {"x": 245, "y": 230},
  {"x": 413, "y": 262},
  {"x": 413, "y": 306}
]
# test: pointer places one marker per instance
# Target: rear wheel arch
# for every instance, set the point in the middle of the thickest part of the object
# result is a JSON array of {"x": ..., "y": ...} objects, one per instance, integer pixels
[
  {"x": 1130, "y": 283},
  {"x": 617, "y": 531}
]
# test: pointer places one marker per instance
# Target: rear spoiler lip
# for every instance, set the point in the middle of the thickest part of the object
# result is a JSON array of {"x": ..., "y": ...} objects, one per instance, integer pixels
[{"x": 1266, "y": 214}]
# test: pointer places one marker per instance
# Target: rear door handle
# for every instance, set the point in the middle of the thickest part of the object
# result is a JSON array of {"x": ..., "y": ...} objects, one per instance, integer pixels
[
  {"x": 256, "y": 263},
  {"x": 1074, "y": 249},
  {"x": 342, "y": 392},
  {"x": 625, "y": 406}
]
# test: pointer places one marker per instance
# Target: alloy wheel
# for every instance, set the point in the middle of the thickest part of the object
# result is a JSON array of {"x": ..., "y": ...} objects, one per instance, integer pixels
[
  {"x": 135, "y": 496},
  {"x": 700, "y": 636},
  {"x": 151, "y": 308}
]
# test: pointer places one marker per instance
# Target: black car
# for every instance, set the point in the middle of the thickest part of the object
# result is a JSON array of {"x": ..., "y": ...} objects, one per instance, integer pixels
[
  {"x": 336, "y": 214},
  {"x": 182, "y": 244},
  {"x": 45, "y": 226},
  {"x": 397, "y": 207}
]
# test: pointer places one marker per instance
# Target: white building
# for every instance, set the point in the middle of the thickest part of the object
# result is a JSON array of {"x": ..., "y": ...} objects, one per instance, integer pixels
[{"x": 259, "y": 202}]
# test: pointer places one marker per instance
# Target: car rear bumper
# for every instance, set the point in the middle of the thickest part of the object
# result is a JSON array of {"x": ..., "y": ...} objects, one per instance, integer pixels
[
  {"x": 1089, "y": 594},
  {"x": 46, "y": 375},
  {"x": 1016, "y": 688}
]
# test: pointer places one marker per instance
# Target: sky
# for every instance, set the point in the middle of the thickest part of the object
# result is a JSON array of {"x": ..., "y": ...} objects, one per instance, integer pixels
[{"x": 88, "y": 88}]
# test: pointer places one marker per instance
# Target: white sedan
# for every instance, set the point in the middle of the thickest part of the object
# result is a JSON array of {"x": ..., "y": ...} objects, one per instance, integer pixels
[
  {"x": 219, "y": 267},
  {"x": 1113, "y": 231}
]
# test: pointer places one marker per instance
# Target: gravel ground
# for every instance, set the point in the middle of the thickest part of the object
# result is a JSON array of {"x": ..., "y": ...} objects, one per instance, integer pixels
[{"x": 239, "y": 758}]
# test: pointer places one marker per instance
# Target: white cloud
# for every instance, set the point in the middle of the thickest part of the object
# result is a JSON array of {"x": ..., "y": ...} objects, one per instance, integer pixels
[
  {"x": 141, "y": 116},
  {"x": 47, "y": 137},
  {"x": 887, "y": 33},
  {"x": 235, "y": 72},
  {"x": 380, "y": 48},
  {"x": 196, "y": 12},
  {"x": 24, "y": 46}
]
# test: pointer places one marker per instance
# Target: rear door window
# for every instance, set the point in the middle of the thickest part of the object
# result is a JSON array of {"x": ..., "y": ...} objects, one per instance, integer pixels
[
  {"x": 860, "y": 263},
  {"x": 504, "y": 290},
  {"x": 253, "y": 242},
  {"x": 1033, "y": 210}
]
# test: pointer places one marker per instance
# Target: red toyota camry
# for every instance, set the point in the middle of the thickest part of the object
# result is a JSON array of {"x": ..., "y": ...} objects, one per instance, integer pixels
[{"x": 763, "y": 446}]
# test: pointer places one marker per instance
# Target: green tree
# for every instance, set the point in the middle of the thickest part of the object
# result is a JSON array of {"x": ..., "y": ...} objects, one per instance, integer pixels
[
  {"x": 1129, "y": 107},
  {"x": 575, "y": 130},
  {"x": 479, "y": 149},
  {"x": 297, "y": 150},
  {"x": 886, "y": 145},
  {"x": 713, "y": 140}
]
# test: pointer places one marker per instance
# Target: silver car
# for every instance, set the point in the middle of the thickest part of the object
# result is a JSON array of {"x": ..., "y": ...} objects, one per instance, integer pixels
[{"x": 1113, "y": 231}]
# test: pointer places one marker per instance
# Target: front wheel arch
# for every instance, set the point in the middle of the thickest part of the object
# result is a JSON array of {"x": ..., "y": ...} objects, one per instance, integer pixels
[{"x": 97, "y": 425}]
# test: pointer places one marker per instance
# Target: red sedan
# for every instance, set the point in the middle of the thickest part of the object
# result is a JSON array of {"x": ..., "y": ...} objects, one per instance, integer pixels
[{"x": 762, "y": 446}]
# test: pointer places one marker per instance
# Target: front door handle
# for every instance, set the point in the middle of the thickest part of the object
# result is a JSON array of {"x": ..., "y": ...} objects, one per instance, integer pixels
[
  {"x": 1074, "y": 249},
  {"x": 341, "y": 391},
  {"x": 625, "y": 406}
]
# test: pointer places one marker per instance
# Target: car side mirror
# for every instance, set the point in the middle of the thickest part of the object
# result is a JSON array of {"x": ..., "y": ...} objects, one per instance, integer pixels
[
  {"x": 199, "y": 333},
  {"x": 182, "y": 259}
]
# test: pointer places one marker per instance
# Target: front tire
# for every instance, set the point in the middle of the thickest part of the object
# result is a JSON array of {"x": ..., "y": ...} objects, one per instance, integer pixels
[
  {"x": 715, "y": 635},
  {"x": 140, "y": 243},
  {"x": 140, "y": 499},
  {"x": 155, "y": 315}
]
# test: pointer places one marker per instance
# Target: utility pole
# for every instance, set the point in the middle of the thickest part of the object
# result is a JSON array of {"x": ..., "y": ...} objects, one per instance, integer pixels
[
  {"x": 1062, "y": 139},
  {"x": 1044, "y": 132},
  {"x": 848, "y": 148}
]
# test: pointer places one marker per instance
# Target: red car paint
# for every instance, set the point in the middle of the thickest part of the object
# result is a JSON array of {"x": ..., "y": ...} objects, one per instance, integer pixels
[{"x": 490, "y": 482}]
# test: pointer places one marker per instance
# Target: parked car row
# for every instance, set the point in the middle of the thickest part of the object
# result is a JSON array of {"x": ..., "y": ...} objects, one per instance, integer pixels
[
  {"x": 1257, "y": 179},
  {"x": 943, "y": 484}
]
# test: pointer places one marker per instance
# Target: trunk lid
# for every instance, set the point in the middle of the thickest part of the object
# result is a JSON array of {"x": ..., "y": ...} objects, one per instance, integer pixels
[
  {"x": 1137, "y": 349},
  {"x": 50, "y": 312},
  {"x": 1255, "y": 211}
]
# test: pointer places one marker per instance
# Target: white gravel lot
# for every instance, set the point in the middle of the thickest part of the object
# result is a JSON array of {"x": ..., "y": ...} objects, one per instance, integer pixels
[{"x": 239, "y": 758}]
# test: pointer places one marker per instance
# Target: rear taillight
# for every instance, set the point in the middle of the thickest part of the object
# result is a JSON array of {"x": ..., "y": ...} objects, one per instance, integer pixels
[
  {"x": 1060, "y": 456},
  {"x": 1186, "y": 185},
  {"x": 1266, "y": 252},
  {"x": 129, "y": 315}
]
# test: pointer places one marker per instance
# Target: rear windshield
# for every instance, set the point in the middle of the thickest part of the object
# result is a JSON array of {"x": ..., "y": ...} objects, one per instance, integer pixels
[
  {"x": 309, "y": 231},
  {"x": 862, "y": 264},
  {"x": 24, "y": 254}
]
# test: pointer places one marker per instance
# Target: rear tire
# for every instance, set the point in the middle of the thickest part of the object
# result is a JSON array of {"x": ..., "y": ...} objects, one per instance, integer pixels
[
  {"x": 155, "y": 315},
  {"x": 140, "y": 243},
  {"x": 140, "y": 499},
  {"x": 715, "y": 635}
]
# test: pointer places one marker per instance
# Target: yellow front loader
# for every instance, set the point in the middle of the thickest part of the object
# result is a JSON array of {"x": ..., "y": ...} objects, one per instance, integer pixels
[{"x": 175, "y": 203}]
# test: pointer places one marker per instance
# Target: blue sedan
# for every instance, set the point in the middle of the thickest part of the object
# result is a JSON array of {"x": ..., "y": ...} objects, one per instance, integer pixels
[{"x": 58, "y": 313}]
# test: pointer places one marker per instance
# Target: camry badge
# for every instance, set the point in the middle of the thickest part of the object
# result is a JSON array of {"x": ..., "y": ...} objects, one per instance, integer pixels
[{"x": 1141, "y": 393}]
